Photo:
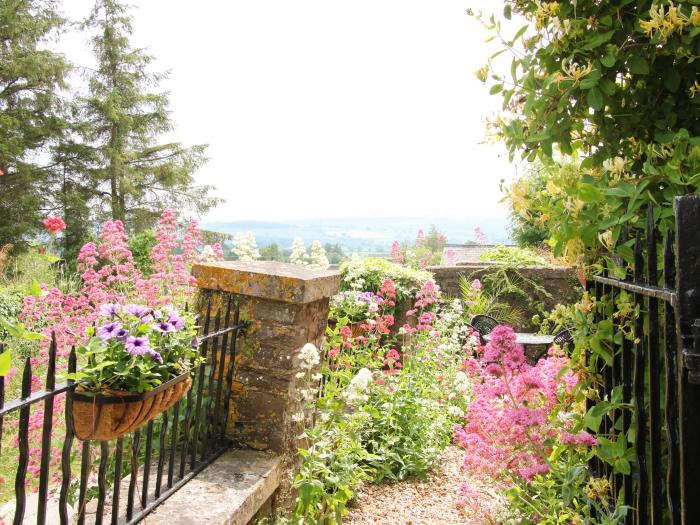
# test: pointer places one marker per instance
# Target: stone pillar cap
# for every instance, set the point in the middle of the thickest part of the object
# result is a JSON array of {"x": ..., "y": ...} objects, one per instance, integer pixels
[{"x": 276, "y": 281}]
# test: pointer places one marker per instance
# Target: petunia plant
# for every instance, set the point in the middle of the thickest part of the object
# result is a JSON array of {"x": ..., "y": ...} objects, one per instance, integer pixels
[{"x": 135, "y": 348}]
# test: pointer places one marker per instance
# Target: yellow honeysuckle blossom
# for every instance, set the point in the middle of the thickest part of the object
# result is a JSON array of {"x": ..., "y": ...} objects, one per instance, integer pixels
[
  {"x": 665, "y": 20},
  {"x": 544, "y": 12},
  {"x": 616, "y": 166},
  {"x": 694, "y": 89}
]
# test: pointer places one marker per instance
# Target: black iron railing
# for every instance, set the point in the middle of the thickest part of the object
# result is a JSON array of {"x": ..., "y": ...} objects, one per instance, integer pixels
[
  {"x": 656, "y": 367},
  {"x": 137, "y": 472}
]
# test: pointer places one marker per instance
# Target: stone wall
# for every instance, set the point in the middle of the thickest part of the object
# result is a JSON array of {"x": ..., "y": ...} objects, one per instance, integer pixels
[
  {"x": 286, "y": 306},
  {"x": 560, "y": 283}
]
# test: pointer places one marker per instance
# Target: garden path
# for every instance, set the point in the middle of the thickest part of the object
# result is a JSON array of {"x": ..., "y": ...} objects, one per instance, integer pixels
[{"x": 415, "y": 502}]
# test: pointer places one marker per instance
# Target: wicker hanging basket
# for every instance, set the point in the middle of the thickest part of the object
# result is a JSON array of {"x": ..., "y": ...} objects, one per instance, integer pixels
[{"x": 105, "y": 416}]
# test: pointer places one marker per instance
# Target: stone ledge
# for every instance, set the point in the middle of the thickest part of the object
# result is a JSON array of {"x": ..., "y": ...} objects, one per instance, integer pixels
[
  {"x": 276, "y": 281},
  {"x": 230, "y": 491}
]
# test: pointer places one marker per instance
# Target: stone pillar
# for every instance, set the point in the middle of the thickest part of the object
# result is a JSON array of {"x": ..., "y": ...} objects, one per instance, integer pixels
[{"x": 287, "y": 307}]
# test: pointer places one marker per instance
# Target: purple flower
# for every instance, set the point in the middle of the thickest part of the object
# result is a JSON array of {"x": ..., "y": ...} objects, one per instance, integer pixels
[
  {"x": 108, "y": 331},
  {"x": 121, "y": 334},
  {"x": 136, "y": 310},
  {"x": 195, "y": 342},
  {"x": 109, "y": 309},
  {"x": 157, "y": 357},
  {"x": 175, "y": 320},
  {"x": 137, "y": 345},
  {"x": 164, "y": 327}
]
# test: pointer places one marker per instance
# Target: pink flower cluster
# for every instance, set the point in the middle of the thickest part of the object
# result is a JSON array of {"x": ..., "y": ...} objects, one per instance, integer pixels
[
  {"x": 511, "y": 421},
  {"x": 108, "y": 275}
]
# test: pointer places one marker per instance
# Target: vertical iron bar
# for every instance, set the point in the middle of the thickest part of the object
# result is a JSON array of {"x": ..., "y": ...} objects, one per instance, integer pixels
[
  {"x": 599, "y": 369},
  {"x": 671, "y": 408},
  {"x": 218, "y": 429},
  {"x": 84, "y": 472},
  {"x": 2, "y": 398},
  {"x": 161, "y": 453},
  {"x": 135, "y": 441},
  {"x": 655, "y": 474},
  {"x": 67, "y": 447},
  {"x": 687, "y": 211},
  {"x": 147, "y": 463},
  {"x": 102, "y": 483},
  {"x": 616, "y": 380},
  {"x": 231, "y": 365},
  {"x": 46, "y": 435},
  {"x": 208, "y": 414},
  {"x": 23, "y": 446},
  {"x": 639, "y": 391},
  {"x": 173, "y": 443},
  {"x": 200, "y": 388},
  {"x": 186, "y": 434},
  {"x": 119, "y": 454}
]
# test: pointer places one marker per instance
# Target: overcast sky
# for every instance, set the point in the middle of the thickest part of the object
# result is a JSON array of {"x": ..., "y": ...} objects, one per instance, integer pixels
[{"x": 327, "y": 108}]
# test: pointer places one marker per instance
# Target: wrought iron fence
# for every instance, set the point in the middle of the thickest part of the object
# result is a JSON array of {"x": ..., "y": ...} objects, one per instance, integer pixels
[
  {"x": 656, "y": 369},
  {"x": 159, "y": 458}
]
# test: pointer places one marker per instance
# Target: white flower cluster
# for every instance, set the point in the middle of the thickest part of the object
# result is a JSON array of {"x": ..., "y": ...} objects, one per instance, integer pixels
[
  {"x": 207, "y": 254},
  {"x": 461, "y": 382},
  {"x": 245, "y": 247},
  {"x": 354, "y": 271},
  {"x": 319, "y": 260},
  {"x": 298, "y": 255},
  {"x": 358, "y": 386},
  {"x": 309, "y": 356}
]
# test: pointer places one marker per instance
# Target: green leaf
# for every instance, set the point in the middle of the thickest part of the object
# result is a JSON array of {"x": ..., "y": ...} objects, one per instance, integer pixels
[
  {"x": 638, "y": 65},
  {"x": 35, "y": 289},
  {"x": 672, "y": 80},
  {"x": 496, "y": 88},
  {"x": 507, "y": 11},
  {"x": 5, "y": 362},
  {"x": 521, "y": 32},
  {"x": 598, "y": 40},
  {"x": 589, "y": 193},
  {"x": 595, "y": 98}
]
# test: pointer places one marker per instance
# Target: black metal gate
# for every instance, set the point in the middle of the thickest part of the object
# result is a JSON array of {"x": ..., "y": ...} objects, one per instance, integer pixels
[
  {"x": 658, "y": 372},
  {"x": 160, "y": 458}
]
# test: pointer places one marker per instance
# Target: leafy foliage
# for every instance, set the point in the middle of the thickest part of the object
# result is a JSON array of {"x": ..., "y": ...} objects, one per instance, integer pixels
[
  {"x": 612, "y": 85},
  {"x": 31, "y": 76},
  {"x": 513, "y": 255}
]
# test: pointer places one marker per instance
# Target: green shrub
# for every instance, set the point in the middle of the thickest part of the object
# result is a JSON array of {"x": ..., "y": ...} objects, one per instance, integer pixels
[
  {"x": 10, "y": 307},
  {"x": 513, "y": 255},
  {"x": 368, "y": 275}
]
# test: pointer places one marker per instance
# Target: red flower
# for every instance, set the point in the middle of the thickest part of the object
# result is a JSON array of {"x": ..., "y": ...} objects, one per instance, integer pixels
[{"x": 54, "y": 225}]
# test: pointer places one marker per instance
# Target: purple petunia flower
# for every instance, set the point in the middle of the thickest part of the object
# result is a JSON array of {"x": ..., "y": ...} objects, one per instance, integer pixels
[
  {"x": 137, "y": 345},
  {"x": 109, "y": 309},
  {"x": 109, "y": 331},
  {"x": 175, "y": 320},
  {"x": 164, "y": 327},
  {"x": 136, "y": 310},
  {"x": 157, "y": 357},
  {"x": 121, "y": 334},
  {"x": 195, "y": 342}
]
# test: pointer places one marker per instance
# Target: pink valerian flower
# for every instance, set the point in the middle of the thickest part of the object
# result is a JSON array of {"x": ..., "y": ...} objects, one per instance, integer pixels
[
  {"x": 54, "y": 225},
  {"x": 397, "y": 255},
  {"x": 334, "y": 352},
  {"x": 109, "y": 278},
  {"x": 345, "y": 332},
  {"x": 580, "y": 439},
  {"x": 420, "y": 238},
  {"x": 510, "y": 421}
]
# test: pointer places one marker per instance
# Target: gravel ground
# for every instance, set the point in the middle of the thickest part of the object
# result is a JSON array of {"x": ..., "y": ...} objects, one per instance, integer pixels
[{"x": 415, "y": 502}]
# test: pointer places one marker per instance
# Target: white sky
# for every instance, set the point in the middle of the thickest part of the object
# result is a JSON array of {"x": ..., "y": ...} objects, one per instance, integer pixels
[{"x": 326, "y": 108}]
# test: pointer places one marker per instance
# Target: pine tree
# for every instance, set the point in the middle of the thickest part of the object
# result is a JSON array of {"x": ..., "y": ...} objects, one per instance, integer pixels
[
  {"x": 136, "y": 177},
  {"x": 30, "y": 79}
]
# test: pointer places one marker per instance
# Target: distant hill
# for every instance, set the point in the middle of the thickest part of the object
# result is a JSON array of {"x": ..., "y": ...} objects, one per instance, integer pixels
[{"x": 364, "y": 235}]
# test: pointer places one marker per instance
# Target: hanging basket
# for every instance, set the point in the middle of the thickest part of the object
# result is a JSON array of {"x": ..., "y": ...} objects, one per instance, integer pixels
[{"x": 105, "y": 416}]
